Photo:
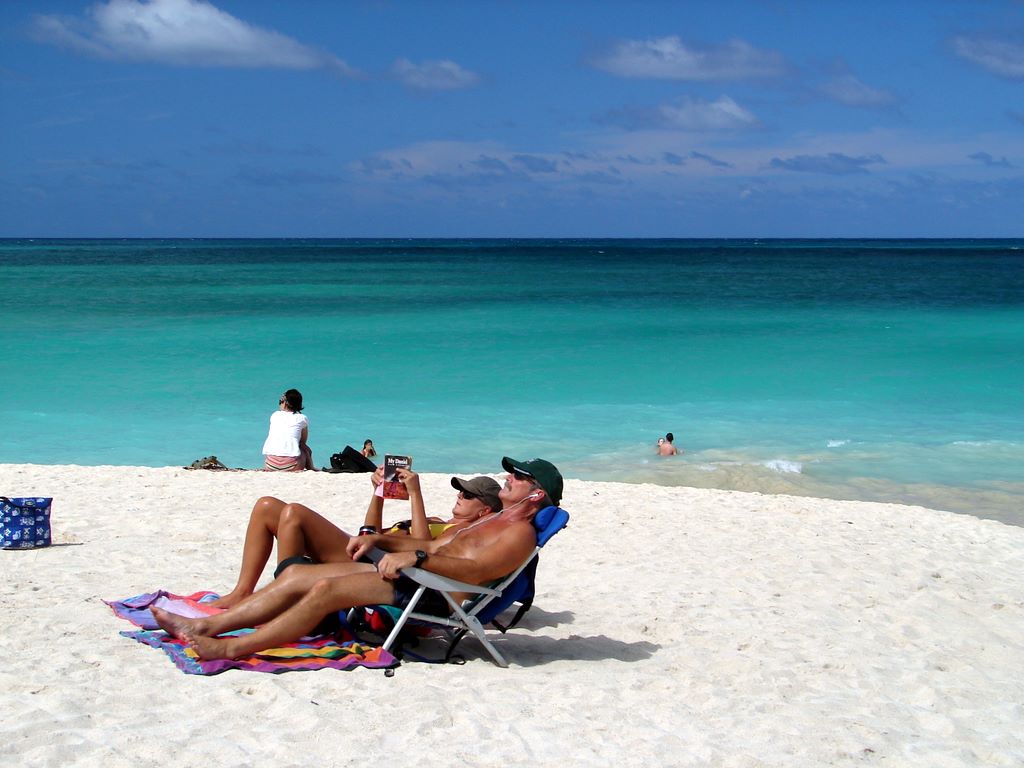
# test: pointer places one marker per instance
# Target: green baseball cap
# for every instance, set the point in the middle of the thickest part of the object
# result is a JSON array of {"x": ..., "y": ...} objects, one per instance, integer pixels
[{"x": 544, "y": 472}]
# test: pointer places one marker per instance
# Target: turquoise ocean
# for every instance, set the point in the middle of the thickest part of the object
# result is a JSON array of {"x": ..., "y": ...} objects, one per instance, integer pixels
[{"x": 857, "y": 369}]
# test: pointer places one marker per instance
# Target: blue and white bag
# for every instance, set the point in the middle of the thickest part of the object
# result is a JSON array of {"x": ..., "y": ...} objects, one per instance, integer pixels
[{"x": 24, "y": 523}]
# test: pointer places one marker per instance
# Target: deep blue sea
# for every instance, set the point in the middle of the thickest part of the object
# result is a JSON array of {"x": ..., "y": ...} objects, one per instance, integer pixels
[{"x": 863, "y": 369}]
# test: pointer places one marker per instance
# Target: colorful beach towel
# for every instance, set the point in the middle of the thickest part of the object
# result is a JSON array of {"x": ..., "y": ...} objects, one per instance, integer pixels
[
  {"x": 136, "y": 609},
  {"x": 310, "y": 653}
]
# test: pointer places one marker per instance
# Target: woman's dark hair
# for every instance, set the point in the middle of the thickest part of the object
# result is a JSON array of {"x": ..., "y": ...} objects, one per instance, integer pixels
[
  {"x": 670, "y": 437},
  {"x": 369, "y": 442},
  {"x": 293, "y": 399}
]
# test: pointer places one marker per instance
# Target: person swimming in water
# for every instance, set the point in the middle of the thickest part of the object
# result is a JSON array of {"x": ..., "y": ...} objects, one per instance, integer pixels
[{"x": 665, "y": 446}]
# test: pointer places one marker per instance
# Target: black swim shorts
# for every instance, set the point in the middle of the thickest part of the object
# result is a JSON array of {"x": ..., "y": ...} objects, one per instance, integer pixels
[
  {"x": 432, "y": 601},
  {"x": 289, "y": 561}
]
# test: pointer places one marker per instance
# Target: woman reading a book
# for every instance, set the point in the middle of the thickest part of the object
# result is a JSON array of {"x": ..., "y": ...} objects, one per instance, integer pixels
[{"x": 306, "y": 537}]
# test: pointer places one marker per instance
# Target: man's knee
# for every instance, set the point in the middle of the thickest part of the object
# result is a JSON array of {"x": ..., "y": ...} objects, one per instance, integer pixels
[
  {"x": 324, "y": 593},
  {"x": 341, "y": 592},
  {"x": 289, "y": 577}
]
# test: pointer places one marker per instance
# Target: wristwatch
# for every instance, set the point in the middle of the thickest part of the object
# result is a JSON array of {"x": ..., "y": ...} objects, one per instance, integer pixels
[{"x": 420, "y": 557}]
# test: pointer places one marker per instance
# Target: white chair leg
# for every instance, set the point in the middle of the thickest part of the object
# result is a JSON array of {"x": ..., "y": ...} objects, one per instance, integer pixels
[
  {"x": 393, "y": 636},
  {"x": 474, "y": 625}
]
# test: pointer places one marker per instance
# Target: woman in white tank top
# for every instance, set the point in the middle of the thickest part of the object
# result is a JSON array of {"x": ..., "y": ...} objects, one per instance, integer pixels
[{"x": 285, "y": 449}]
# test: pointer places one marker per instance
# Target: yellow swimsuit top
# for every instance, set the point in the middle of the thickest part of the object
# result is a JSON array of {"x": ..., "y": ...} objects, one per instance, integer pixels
[{"x": 436, "y": 529}]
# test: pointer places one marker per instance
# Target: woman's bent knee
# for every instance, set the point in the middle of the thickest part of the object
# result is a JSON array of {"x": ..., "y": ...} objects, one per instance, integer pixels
[
  {"x": 267, "y": 507},
  {"x": 266, "y": 511},
  {"x": 294, "y": 514}
]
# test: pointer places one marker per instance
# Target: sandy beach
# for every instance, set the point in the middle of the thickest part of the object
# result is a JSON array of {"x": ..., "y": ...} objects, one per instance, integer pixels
[{"x": 672, "y": 626}]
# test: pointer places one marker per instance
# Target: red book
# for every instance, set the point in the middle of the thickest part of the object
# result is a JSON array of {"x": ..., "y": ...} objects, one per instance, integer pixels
[{"x": 393, "y": 487}]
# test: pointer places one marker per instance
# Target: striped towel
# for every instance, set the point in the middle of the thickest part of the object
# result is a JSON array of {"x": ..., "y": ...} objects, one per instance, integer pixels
[{"x": 321, "y": 652}]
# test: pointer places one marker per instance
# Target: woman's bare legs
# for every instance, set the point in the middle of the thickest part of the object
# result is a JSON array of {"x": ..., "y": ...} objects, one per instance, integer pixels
[
  {"x": 298, "y": 530},
  {"x": 301, "y": 531},
  {"x": 259, "y": 541}
]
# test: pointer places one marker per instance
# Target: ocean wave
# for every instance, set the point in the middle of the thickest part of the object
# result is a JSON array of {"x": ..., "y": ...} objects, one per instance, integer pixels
[
  {"x": 836, "y": 443},
  {"x": 783, "y": 466},
  {"x": 987, "y": 443}
]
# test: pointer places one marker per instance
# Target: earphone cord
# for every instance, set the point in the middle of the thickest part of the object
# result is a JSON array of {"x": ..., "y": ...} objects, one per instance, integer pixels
[{"x": 531, "y": 497}]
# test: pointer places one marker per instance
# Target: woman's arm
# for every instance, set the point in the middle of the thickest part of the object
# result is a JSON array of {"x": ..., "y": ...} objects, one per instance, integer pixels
[
  {"x": 420, "y": 528},
  {"x": 375, "y": 511}
]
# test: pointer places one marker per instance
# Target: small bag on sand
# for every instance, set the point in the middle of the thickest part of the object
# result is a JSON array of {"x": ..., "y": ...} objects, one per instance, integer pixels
[
  {"x": 24, "y": 523},
  {"x": 350, "y": 460}
]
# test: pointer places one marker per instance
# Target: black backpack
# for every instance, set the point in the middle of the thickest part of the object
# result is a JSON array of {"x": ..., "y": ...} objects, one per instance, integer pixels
[{"x": 350, "y": 460}]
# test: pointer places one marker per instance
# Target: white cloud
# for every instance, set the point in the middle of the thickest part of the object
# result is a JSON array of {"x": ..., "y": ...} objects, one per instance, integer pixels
[
  {"x": 190, "y": 33},
  {"x": 1000, "y": 56},
  {"x": 848, "y": 90},
  {"x": 691, "y": 114},
  {"x": 684, "y": 114},
  {"x": 441, "y": 75},
  {"x": 669, "y": 58}
]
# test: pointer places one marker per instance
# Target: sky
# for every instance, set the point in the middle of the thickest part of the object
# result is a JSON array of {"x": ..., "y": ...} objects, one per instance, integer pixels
[{"x": 309, "y": 118}]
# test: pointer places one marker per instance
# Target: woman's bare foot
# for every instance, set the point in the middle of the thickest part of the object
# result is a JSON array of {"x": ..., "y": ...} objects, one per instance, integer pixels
[
  {"x": 230, "y": 600},
  {"x": 179, "y": 626}
]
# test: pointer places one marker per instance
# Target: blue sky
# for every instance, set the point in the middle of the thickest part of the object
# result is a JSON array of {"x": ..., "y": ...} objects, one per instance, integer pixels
[{"x": 253, "y": 118}]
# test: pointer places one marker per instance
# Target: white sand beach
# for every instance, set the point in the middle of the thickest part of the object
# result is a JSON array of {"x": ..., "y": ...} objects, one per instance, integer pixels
[{"x": 672, "y": 626}]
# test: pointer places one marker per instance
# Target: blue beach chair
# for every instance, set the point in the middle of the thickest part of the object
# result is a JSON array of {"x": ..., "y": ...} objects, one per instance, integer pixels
[{"x": 488, "y": 601}]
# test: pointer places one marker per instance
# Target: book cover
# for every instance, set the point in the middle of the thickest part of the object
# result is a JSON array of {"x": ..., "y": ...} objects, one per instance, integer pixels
[{"x": 393, "y": 487}]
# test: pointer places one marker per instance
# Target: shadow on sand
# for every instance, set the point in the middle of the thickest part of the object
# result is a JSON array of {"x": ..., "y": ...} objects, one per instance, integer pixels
[
  {"x": 526, "y": 651},
  {"x": 523, "y": 648}
]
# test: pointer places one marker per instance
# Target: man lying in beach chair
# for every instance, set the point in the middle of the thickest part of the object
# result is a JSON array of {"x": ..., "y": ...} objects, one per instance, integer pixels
[
  {"x": 489, "y": 549},
  {"x": 486, "y": 604},
  {"x": 307, "y": 537}
]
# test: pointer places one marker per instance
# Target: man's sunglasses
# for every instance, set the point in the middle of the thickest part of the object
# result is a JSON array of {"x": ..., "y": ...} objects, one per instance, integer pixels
[
  {"x": 468, "y": 496},
  {"x": 523, "y": 476}
]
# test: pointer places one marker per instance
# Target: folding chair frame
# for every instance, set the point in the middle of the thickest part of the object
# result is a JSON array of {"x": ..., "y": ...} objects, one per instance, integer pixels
[{"x": 463, "y": 619}]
